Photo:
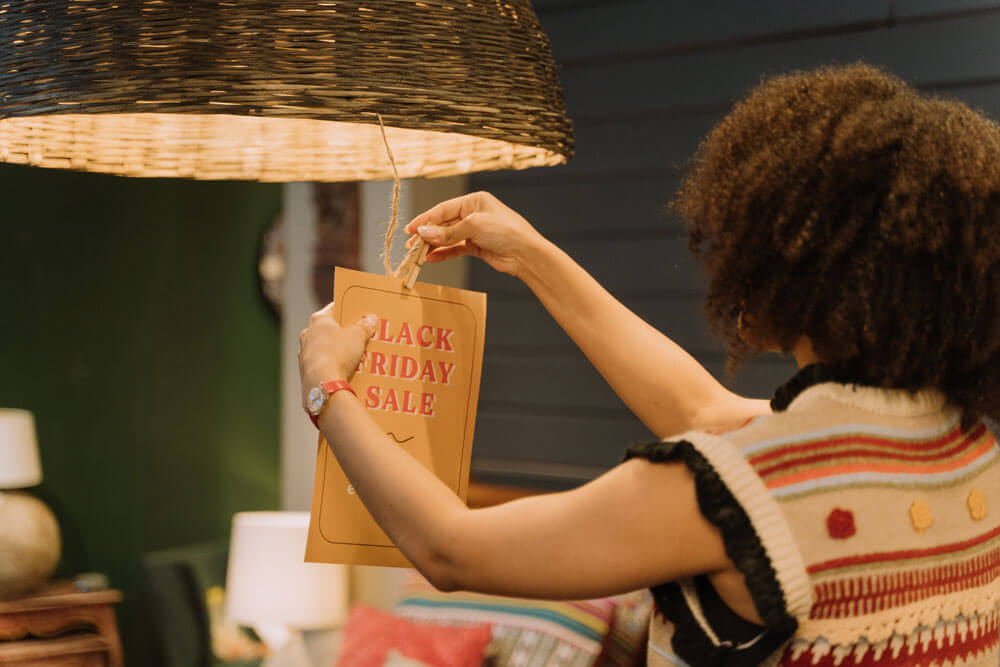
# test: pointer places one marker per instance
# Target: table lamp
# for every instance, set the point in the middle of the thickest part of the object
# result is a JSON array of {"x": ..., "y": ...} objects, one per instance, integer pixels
[
  {"x": 29, "y": 534},
  {"x": 270, "y": 587}
]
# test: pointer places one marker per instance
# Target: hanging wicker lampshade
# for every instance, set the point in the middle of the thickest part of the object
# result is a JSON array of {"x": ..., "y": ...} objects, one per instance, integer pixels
[{"x": 278, "y": 90}]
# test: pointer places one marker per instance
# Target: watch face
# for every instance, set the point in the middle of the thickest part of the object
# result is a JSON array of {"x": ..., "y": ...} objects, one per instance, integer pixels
[{"x": 315, "y": 400}]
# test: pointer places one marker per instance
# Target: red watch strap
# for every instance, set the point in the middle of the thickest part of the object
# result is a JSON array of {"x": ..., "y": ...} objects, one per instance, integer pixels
[
  {"x": 331, "y": 387},
  {"x": 334, "y": 386}
]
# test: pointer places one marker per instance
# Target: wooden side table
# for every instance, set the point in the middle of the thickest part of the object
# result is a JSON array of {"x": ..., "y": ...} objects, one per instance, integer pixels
[{"x": 61, "y": 626}]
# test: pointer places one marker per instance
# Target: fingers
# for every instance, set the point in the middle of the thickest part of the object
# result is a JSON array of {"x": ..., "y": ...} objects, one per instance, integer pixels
[
  {"x": 449, "y": 211},
  {"x": 367, "y": 325},
  {"x": 439, "y": 214},
  {"x": 363, "y": 330},
  {"x": 414, "y": 237},
  {"x": 450, "y": 235}
]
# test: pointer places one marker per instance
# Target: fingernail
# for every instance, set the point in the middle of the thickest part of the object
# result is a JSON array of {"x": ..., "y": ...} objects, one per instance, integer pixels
[
  {"x": 427, "y": 231},
  {"x": 370, "y": 321}
]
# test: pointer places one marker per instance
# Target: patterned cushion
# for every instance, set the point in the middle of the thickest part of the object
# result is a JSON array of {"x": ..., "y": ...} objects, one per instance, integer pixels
[
  {"x": 526, "y": 633},
  {"x": 626, "y": 642},
  {"x": 370, "y": 635}
]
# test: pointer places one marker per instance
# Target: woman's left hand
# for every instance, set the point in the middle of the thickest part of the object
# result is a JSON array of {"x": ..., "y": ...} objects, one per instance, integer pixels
[{"x": 328, "y": 351}]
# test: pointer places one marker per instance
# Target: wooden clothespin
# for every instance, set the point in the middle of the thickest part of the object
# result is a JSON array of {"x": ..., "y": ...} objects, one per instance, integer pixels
[{"x": 409, "y": 268}]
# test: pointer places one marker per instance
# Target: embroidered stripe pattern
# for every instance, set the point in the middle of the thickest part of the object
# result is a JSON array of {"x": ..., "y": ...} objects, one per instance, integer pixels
[
  {"x": 852, "y": 454},
  {"x": 851, "y": 462},
  {"x": 855, "y": 596},
  {"x": 859, "y": 447},
  {"x": 904, "y": 436},
  {"x": 969, "y": 642},
  {"x": 905, "y": 554}
]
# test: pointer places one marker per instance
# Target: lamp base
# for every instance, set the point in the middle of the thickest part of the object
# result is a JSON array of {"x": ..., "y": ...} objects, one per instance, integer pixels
[{"x": 29, "y": 541}]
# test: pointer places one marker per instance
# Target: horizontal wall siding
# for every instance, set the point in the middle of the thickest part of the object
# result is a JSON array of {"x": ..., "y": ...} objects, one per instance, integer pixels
[
  {"x": 623, "y": 265},
  {"x": 959, "y": 49},
  {"x": 594, "y": 211},
  {"x": 644, "y": 81},
  {"x": 636, "y": 29},
  {"x": 536, "y": 332},
  {"x": 924, "y": 8}
]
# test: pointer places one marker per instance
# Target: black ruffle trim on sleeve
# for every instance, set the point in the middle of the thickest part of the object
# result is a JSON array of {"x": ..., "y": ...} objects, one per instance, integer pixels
[{"x": 743, "y": 546}]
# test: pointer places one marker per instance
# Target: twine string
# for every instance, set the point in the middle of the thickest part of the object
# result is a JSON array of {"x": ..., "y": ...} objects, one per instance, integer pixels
[{"x": 393, "y": 221}]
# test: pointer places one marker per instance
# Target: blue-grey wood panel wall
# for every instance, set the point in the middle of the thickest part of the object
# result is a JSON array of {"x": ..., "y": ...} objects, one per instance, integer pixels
[{"x": 644, "y": 81}]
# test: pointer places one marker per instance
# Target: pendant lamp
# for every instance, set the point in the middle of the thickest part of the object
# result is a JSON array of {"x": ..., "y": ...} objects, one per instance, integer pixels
[{"x": 278, "y": 90}]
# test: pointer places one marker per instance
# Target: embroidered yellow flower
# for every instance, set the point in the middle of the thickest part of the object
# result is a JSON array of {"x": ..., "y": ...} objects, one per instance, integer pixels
[
  {"x": 921, "y": 516},
  {"x": 977, "y": 504}
]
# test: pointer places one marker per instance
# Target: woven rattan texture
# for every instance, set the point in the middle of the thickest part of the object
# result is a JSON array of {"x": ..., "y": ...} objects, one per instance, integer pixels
[{"x": 278, "y": 90}]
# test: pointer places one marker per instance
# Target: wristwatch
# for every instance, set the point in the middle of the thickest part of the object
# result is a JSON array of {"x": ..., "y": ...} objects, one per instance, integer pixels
[{"x": 320, "y": 395}]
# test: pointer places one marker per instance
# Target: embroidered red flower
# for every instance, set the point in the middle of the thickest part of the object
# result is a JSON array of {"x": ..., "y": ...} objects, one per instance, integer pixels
[{"x": 840, "y": 524}]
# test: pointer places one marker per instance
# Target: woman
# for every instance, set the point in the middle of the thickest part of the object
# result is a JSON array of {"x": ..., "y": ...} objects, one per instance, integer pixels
[{"x": 855, "y": 519}]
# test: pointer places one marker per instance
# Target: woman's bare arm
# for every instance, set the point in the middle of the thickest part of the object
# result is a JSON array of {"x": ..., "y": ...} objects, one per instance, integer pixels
[
  {"x": 569, "y": 545},
  {"x": 660, "y": 382},
  {"x": 563, "y": 545}
]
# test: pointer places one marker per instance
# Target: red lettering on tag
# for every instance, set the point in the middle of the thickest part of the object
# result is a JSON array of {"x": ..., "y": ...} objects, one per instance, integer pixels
[
  {"x": 408, "y": 408},
  {"x": 371, "y": 398},
  {"x": 444, "y": 340},
  {"x": 409, "y": 368},
  {"x": 427, "y": 404},
  {"x": 447, "y": 368},
  {"x": 425, "y": 342},
  {"x": 404, "y": 334},
  {"x": 383, "y": 331},
  {"x": 427, "y": 374},
  {"x": 390, "y": 402},
  {"x": 378, "y": 363}
]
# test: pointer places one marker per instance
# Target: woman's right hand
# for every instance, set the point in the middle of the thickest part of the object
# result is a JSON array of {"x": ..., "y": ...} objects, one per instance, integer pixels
[{"x": 476, "y": 224}]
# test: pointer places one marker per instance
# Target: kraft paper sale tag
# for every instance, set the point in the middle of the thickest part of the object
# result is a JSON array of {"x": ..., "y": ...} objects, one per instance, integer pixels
[{"x": 419, "y": 380}]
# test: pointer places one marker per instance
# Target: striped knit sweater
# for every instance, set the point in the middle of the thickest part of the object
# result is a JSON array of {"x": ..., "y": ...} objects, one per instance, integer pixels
[{"x": 867, "y": 523}]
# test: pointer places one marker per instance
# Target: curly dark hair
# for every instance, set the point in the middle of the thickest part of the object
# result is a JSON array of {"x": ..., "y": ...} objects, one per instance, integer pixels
[{"x": 843, "y": 205}]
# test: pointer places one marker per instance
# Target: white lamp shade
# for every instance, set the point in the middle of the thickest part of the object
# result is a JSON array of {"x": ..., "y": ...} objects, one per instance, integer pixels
[
  {"x": 20, "y": 465},
  {"x": 268, "y": 581}
]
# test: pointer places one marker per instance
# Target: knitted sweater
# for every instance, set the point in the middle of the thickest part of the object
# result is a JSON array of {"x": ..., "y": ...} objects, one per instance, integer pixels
[{"x": 866, "y": 522}]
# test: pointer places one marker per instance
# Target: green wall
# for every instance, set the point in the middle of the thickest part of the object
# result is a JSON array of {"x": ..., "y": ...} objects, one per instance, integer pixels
[{"x": 132, "y": 326}]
